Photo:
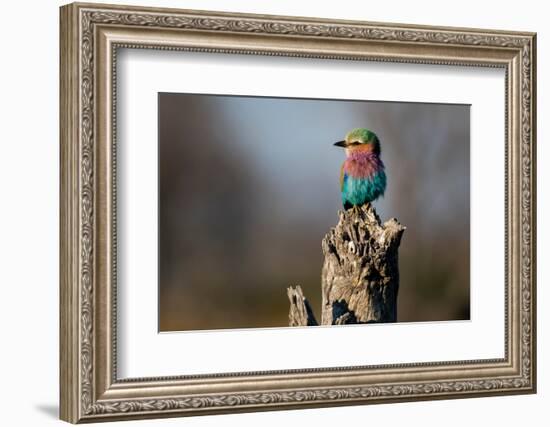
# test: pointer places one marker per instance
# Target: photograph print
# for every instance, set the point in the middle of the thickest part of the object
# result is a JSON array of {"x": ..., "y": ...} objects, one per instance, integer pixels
[{"x": 277, "y": 212}]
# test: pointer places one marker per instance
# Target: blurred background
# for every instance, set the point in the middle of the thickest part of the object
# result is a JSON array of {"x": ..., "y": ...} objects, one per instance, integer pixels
[{"x": 250, "y": 185}]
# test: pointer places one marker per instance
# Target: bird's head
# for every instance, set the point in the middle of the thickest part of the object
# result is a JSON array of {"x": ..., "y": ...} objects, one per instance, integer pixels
[{"x": 360, "y": 140}]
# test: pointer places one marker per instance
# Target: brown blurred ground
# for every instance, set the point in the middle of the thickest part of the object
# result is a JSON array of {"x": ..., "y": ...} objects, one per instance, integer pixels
[{"x": 249, "y": 186}]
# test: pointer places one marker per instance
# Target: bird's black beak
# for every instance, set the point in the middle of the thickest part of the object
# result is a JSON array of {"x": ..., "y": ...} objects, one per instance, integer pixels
[{"x": 340, "y": 144}]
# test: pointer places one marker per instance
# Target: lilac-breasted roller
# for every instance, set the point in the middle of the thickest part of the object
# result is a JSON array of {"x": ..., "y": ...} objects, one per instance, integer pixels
[{"x": 362, "y": 177}]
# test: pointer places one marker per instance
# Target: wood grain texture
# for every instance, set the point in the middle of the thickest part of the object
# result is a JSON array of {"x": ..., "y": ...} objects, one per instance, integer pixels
[
  {"x": 360, "y": 275},
  {"x": 300, "y": 313}
]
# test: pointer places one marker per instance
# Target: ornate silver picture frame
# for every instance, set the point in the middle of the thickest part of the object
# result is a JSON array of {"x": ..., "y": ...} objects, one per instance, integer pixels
[{"x": 91, "y": 35}]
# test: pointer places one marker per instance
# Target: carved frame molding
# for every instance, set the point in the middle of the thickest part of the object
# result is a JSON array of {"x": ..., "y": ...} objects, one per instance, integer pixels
[{"x": 90, "y": 37}]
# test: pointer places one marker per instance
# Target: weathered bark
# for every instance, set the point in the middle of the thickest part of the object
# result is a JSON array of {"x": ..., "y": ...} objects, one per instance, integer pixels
[
  {"x": 300, "y": 313},
  {"x": 360, "y": 275}
]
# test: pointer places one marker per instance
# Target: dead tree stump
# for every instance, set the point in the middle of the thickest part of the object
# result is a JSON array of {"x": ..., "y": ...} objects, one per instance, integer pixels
[
  {"x": 300, "y": 313},
  {"x": 360, "y": 275}
]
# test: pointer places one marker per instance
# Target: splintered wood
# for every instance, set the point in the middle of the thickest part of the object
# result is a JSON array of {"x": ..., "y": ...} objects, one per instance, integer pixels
[{"x": 360, "y": 275}]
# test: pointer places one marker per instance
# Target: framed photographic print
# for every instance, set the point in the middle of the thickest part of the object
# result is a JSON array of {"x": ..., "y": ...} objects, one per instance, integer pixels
[{"x": 266, "y": 212}]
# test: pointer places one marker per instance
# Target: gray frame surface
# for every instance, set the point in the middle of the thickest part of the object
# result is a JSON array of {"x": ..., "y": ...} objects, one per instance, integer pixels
[{"x": 90, "y": 37}]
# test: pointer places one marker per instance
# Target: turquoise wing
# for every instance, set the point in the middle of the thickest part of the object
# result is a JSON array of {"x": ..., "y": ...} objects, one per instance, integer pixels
[{"x": 342, "y": 177}]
